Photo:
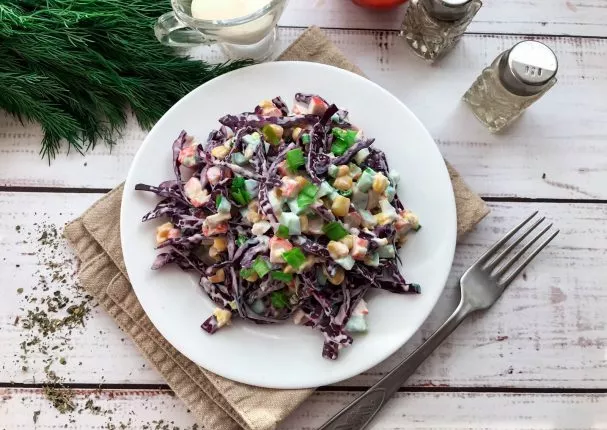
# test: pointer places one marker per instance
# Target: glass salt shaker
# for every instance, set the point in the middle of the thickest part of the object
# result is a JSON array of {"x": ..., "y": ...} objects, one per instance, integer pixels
[
  {"x": 516, "y": 79},
  {"x": 433, "y": 27}
]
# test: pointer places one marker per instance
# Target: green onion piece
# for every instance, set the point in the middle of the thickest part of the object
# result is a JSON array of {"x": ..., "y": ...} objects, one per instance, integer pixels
[
  {"x": 351, "y": 136},
  {"x": 246, "y": 273},
  {"x": 241, "y": 240},
  {"x": 305, "y": 138},
  {"x": 338, "y": 147},
  {"x": 238, "y": 182},
  {"x": 419, "y": 226},
  {"x": 339, "y": 133},
  {"x": 346, "y": 193},
  {"x": 279, "y": 299},
  {"x": 295, "y": 159},
  {"x": 343, "y": 140},
  {"x": 270, "y": 135},
  {"x": 261, "y": 266},
  {"x": 334, "y": 231},
  {"x": 218, "y": 200},
  {"x": 239, "y": 192},
  {"x": 295, "y": 257},
  {"x": 281, "y": 276},
  {"x": 307, "y": 196},
  {"x": 282, "y": 232},
  {"x": 241, "y": 197}
]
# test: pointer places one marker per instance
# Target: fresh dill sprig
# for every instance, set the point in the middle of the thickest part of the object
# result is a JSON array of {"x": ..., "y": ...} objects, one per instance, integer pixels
[{"x": 75, "y": 66}]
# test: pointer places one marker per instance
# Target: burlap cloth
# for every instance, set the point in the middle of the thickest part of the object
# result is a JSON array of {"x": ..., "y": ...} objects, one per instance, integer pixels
[{"x": 216, "y": 403}]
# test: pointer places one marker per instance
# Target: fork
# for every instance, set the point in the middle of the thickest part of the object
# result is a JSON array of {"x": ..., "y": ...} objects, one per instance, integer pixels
[{"x": 481, "y": 285}]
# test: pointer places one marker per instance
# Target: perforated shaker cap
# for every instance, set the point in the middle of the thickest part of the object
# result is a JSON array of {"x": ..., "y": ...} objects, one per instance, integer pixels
[
  {"x": 448, "y": 10},
  {"x": 527, "y": 67}
]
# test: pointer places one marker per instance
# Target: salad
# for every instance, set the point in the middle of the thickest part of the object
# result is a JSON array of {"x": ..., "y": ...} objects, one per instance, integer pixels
[{"x": 285, "y": 215}]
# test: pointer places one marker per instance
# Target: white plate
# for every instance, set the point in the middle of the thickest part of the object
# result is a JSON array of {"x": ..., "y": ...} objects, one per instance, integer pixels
[{"x": 289, "y": 356}]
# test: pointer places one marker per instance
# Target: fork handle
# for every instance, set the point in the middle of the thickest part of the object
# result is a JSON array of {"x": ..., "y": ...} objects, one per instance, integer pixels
[{"x": 358, "y": 414}]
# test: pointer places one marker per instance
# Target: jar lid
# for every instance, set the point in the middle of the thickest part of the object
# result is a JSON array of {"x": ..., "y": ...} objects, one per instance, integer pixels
[
  {"x": 448, "y": 10},
  {"x": 527, "y": 67}
]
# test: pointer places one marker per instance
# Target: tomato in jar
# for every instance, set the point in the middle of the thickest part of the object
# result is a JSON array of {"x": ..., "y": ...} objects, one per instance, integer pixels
[{"x": 379, "y": 4}]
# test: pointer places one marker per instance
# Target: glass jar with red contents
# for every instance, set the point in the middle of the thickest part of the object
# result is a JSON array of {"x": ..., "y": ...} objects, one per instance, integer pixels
[{"x": 379, "y": 4}]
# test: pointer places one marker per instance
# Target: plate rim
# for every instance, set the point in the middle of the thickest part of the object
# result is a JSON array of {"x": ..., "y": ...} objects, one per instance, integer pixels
[{"x": 452, "y": 239}]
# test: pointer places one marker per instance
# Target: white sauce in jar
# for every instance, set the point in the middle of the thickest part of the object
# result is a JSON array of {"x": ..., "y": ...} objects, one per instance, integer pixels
[{"x": 225, "y": 9}]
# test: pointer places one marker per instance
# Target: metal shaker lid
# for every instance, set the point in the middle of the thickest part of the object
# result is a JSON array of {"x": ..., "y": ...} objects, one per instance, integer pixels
[
  {"x": 527, "y": 67},
  {"x": 448, "y": 10}
]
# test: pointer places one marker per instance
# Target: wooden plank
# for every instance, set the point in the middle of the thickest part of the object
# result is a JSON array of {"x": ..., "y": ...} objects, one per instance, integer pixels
[
  {"x": 547, "y": 331},
  {"x": 531, "y": 159},
  {"x": 118, "y": 409},
  {"x": 465, "y": 410},
  {"x": 572, "y": 17},
  {"x": 95, "y": 353},
  {"x": 155, "y": 409}
]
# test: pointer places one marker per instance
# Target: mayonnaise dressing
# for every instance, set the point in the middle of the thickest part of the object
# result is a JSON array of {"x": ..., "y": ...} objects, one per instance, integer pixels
[{"x": 225, "y": 9}]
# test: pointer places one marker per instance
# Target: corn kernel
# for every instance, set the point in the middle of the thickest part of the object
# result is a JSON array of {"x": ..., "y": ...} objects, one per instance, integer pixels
[
  {"x": 253, "y": 212},
  {"x": 253, "y": 216},
  {"x": 220, "y": 152},
  {"x": 303, "y": 223},
  {"x": 214, "y": 253},
  {"x": 383, "y": 219},
  {"x": 265, "y": 104},
  {"x": 301, "y": 181},
  {"x": 340, "y": 206},
  {"x": 296, "y": 133},
  {"x": 220, "y": 243},
  {"x": 411, "y": 218},
  {"x": 348, "y": 241},
  {"x": 223, "y": 316},
  {"x": 380, "y": 183},
  {"x": 162, "y": 232},
  {"x": 253, "y": 277},
  {"x": 278, "y": 130},
  {"x": 219, "y": 276},
  {"x": 339, "y": 277},
  {"x": 337, "y": 250},
  {"x": 343, "y": 170},
  {"x": 343, "y": 183}
]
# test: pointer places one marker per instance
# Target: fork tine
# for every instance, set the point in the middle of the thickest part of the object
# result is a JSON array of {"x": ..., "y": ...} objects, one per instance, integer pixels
[
  {"x": 497, "y": 245},
  {"x": 524, "y": 264},
  {"x": 495, "y": 261},
  {"x": 508, "y": 264}
]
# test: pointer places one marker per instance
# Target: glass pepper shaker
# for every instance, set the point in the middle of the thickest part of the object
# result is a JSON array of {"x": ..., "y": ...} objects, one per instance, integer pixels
[
  {"x": 516, "y": 79},
  {"x": 433, "y": 27}
]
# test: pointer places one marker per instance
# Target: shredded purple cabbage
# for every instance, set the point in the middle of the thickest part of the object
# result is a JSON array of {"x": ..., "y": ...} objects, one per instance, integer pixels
[
  {"x": 218, "y": 243},
  {"x": 258, "y": 121}
]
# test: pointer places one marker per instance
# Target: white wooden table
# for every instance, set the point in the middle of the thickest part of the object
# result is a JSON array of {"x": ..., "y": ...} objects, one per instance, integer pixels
[{"x": 537, "y": 359}]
